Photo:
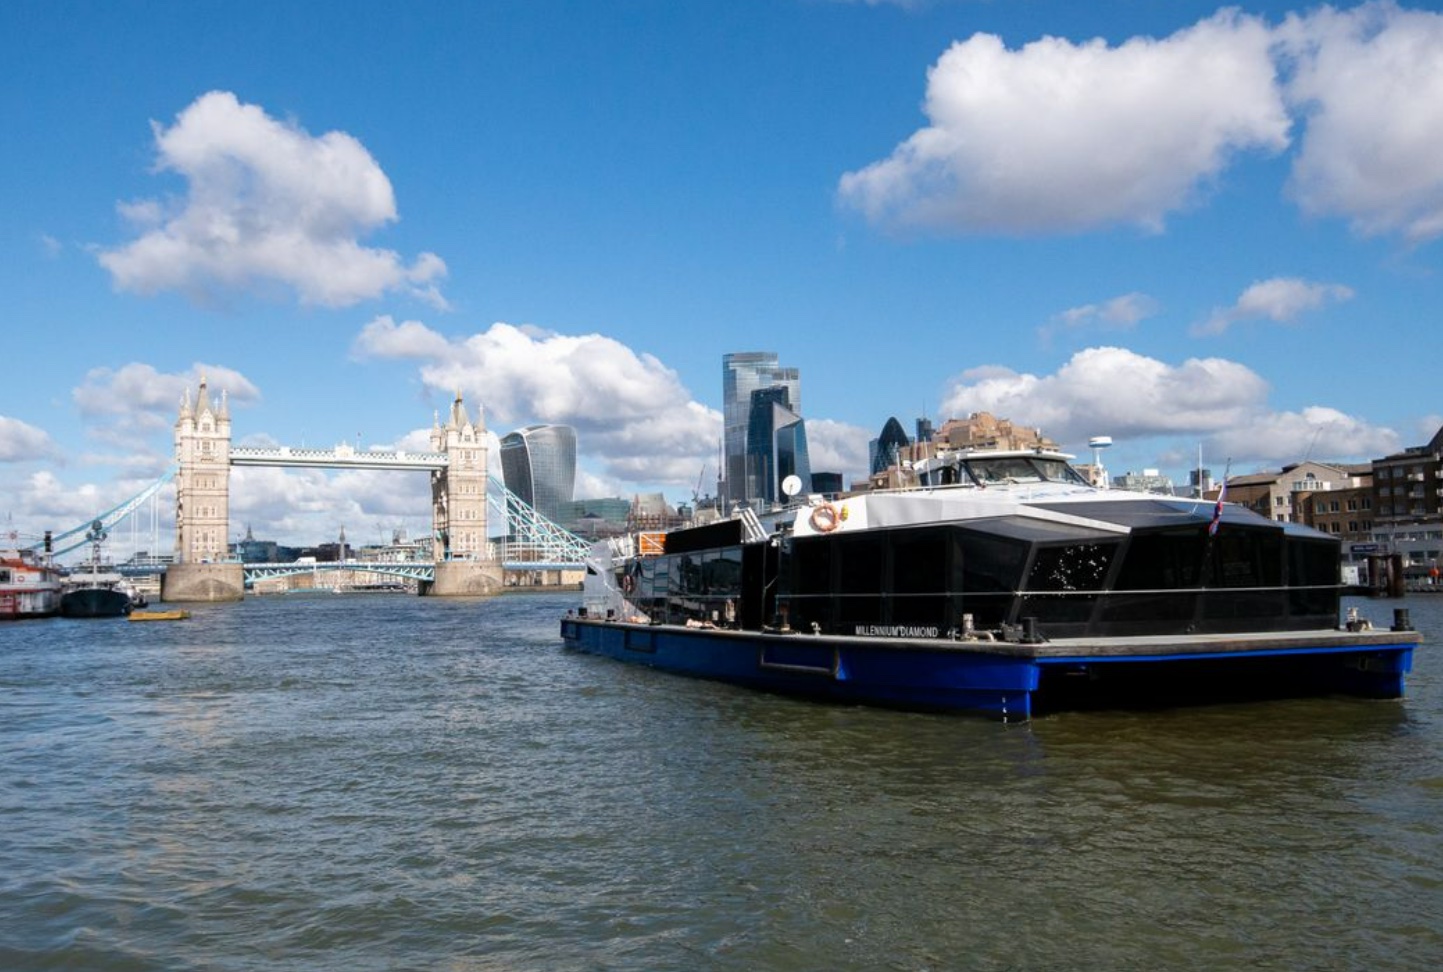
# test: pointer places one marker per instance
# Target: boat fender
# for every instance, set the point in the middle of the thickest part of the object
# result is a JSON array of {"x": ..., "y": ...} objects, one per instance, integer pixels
[{"x": 824, "y": 518}]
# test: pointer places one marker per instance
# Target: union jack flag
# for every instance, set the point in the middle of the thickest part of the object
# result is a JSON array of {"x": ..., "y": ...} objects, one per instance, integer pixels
[{"x": 1218, "y": 510}]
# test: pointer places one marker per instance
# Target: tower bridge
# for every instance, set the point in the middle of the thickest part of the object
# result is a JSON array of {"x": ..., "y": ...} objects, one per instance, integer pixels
[{"x": 464, "y": 560}]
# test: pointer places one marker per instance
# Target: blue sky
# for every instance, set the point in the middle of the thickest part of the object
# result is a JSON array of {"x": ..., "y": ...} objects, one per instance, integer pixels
[{"x": 1182, "y": 225}]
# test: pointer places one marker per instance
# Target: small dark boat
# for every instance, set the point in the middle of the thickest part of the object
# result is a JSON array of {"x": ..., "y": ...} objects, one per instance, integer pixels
[
  {"x": 92, "y": 592},
  {"x": 94, "y": 602}
]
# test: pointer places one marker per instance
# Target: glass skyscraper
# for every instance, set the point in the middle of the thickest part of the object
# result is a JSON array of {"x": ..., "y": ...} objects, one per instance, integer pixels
[
  {"x": 886, "y": 450},
  {"x": 744, "y": 372},
  {"x": 538, "y": 464},
  {"x": 776, "y": 445}
]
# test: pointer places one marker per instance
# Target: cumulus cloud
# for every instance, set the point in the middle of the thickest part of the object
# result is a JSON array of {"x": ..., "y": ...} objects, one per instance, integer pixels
[
  {"x": 1113, "y": 391},
  {"x": 1117, "y": 314},
  {"x": 313, "y": 505},
  {"x": 1063, "y": 137},
  {"x": 21, "y": 441},
  {"x": 630, "y": 411},
  {"x": 838, "y": 447},
  {"x": 1369, "y": 81},
  {"x": 1280, "y": 299},
  {"x": 384, "y": 338},
  {"x": 266, "y": 205},
  {"x": 1324, "y": 432},
  {"x": 126, "y": 405}
]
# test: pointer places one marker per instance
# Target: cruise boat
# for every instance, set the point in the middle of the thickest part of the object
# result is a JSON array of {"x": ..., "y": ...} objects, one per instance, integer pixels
[
  {"x": 29, "y": 585},
  {"x": 1002, "y": 582}
]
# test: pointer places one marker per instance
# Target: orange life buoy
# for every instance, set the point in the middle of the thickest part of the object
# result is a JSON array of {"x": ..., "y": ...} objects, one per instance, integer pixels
[{"x": 825, "y": 519}]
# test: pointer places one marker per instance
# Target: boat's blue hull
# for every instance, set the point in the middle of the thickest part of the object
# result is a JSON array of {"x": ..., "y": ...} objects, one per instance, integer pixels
[{"x": 1006, "y": 681}]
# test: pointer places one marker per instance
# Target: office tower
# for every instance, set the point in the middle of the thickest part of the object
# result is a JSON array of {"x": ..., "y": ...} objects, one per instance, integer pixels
[
  {"x": 538, "y": 464},
  {"x": 776, "y": 446},
  {"x": 744, "y": 372},
  {"x": 924, "y": 430},
  {"x": 887, "y": 449}
]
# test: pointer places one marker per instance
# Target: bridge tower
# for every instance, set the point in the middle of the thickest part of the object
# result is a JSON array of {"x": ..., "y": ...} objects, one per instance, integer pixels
[
  {"x": 458, "y": 507},
  {"x": 202, "y": 505}
]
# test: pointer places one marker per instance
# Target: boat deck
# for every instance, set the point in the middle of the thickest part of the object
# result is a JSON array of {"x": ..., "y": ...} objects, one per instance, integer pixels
[{"x": 1138, "y": 647}]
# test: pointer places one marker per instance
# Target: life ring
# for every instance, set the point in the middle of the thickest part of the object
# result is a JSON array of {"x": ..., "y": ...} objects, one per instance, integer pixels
[
  {"x": 628, "y": 583},
  {"x": 825, "y": 518}
]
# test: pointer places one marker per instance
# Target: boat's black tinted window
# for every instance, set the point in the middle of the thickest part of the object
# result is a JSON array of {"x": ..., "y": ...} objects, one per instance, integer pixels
[
  {"x": 686, "y": 574},
  {"x": 919, "y": 562},
  {"x": 1248, "y": 558},
  {"x": 1075, "y": 567},
  {"x": 653, "y": 577},
  {"x": 989, "y": 564},
  {"x": 862, "y": 560},
  {"x": 811, "y": 571},
  {"x": 1164, "y": 559},
  {"x": 722, "y": 571},
  {"x": 1312, "y": 562}
]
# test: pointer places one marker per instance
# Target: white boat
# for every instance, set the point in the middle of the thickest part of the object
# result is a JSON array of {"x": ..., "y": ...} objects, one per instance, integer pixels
[{"x": 29, "y": 585}]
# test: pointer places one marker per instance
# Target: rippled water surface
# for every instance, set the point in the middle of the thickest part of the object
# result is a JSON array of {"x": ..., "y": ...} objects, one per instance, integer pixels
[{"x": 385, "y": 782}]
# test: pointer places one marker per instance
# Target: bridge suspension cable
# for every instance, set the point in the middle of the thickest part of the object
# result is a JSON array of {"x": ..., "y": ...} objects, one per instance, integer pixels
[
  {"x": 107, "y": 520},
  {"x": 531, "y": 536}
]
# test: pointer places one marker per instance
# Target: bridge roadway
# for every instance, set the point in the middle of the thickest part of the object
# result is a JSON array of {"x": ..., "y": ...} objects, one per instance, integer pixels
[
  {"x": 410, "y": 570},
  {"x": 341, "y": 457}
]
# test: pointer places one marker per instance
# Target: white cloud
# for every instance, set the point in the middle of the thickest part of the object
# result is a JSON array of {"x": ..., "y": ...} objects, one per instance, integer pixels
[
  {"x": 266, "y": 204},
  {"x": 1117, "y": 314},
  {"x": 1067, "y": 137},
  {"x": 1323, "y": 432},
  {"x": 1113, "y": 391},
  {"x": 631, "y": 413},
  {"x": 838, "y": 447},
  {"x": 1280, "y": 299},
  {"x": 1370, "y": 84},
  {"x": 384, "y": 338},
  {"x": 21, "y": 441},
  {"x": 312, "y": 506},
  {"x": 128, "y": 404}
]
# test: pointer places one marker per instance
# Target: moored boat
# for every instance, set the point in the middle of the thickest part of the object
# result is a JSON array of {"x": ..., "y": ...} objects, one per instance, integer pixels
[
  {"x": 94, "y": 597},
  {"x": 93, "y": 592},
  {"x": 1002, "y": 583},
  {"x": 29, "y": 585}
]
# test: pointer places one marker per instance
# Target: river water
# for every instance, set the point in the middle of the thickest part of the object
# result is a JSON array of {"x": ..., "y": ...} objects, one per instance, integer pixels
[{"x": 356, "y": 782}]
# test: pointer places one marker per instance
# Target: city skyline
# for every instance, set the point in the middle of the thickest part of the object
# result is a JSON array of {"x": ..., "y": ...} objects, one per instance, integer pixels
[{"x": 1188, "y": 226}]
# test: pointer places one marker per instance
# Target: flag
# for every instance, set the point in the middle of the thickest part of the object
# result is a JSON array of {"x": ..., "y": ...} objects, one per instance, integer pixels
[{"x": 1218, "y": 510}]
